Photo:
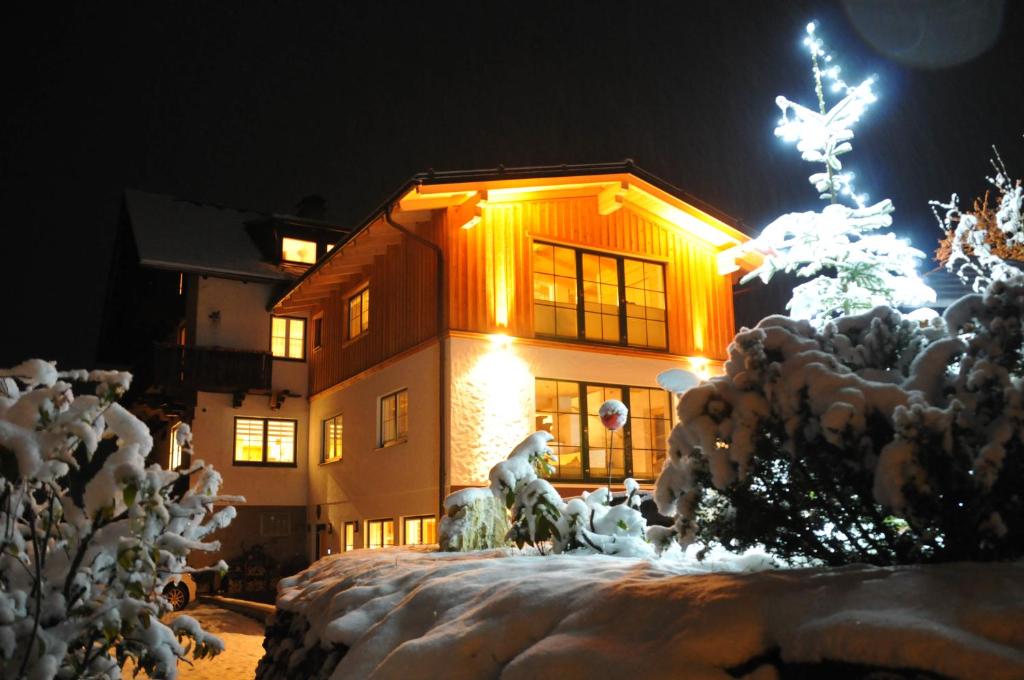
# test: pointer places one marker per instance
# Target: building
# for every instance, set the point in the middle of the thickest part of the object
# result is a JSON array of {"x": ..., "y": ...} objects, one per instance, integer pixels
[{"x": 397, "y": 361}]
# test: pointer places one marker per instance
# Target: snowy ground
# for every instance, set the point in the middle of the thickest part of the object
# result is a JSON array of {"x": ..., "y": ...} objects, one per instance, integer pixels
[
  {"x": 243, "y": 641},
  {"x": 409, "y": 613}
]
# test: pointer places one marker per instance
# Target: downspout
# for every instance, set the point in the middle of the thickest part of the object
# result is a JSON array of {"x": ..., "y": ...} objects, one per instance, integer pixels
[{"x": 442, "y": 378}]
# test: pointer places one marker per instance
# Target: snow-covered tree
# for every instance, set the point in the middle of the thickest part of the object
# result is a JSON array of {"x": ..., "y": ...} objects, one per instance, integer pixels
[
  {"x": 854, "y": 268},
  {"x": 872, "y": 440},
  {"x": 535, "y": 514},
  {"x": 984, "y": 244},
  {"x": 89, "y": 535}
]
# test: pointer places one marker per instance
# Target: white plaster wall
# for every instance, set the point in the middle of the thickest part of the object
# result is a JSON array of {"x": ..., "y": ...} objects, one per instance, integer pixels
[
  {"x": 213, "y": 441},
  {"x": 493, "y": 399},
  {"x": 371, "y": 482},
  {"x": 243, "y": 322}
]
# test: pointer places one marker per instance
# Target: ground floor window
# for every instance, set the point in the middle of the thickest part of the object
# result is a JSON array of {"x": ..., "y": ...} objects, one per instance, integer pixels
[
  {"x": 350, "y": 535},
  {"x": 380, "y": 533},
  {"x": 584, "y": 449},
  {"x": 420, "y": 530}
]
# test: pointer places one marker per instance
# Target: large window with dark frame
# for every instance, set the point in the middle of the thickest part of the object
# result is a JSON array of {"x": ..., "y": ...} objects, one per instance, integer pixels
[
  {"x": 265, "y": 441},
  {"x": 359, "y": 313},
  {"x": 394, "y": 417},
  {"x": 584, "y": 449},
  {"x": 598, "y": 297}
]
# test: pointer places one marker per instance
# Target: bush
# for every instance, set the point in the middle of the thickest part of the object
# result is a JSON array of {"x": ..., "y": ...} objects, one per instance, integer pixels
[
  {"x": 872, "y": 440},
  {"x": 90, "y": 536}
]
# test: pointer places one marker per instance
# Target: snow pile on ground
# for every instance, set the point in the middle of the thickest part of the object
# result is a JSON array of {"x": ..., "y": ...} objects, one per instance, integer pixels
[{"x": 409, "y": 613}]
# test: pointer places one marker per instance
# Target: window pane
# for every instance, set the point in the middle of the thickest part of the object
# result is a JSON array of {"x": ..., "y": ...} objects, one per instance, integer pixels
[
  {"x": 374, "y": 534},
  {"x": 403, "y": 413},
  {"x": 543, "y": 258},
  {"x": 296, "y": 329},
  {"x": 633, "y": 272},
  {"x": 280, "y": 441},
  {"x": 565, "y": 322},
  {"x": 366, "y": 309},
  {"x": 412, "y": 532},
  {"x": 389, "y": 532},
  {"x": 297, "y": 250},
  {"x": 656, "y": 334},
  {"x": 568, "y": 397},
  {"x": 654, "y": 278},
  {"x": 565, "y": 262},
  {"x": 350, "y": 536},
  {"x": 248, "y": 440},
  {"x": 429, "y": 530},
  {"x": 318, "y": 332},
  {"x": 544, "y": 287},
  {"x": 175, "y": 454},
  {"x": 636, "y": 331},
  {"x": 544, "y": 319}
]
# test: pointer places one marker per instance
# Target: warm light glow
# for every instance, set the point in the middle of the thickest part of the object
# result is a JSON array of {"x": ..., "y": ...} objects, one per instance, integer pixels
[
  {"x": 497, "y": 389},
  {"x": 500, "y": 341},
  {"x": 700, "y": 366},
  {"x": 472, "y": 222},
  {"x": 297, "y": 250}
]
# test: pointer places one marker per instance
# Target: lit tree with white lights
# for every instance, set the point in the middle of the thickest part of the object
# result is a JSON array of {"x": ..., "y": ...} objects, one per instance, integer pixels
[{"x": 854, "y": 267}]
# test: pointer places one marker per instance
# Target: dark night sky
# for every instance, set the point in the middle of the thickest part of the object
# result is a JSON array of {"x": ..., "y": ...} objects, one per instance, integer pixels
[{"x": 259, "y": 105}]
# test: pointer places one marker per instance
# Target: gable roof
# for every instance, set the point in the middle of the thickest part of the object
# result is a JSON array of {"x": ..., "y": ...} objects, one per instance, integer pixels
[
  {"x": 171, "y": 233},
  {"x": 459, "y": 185}
]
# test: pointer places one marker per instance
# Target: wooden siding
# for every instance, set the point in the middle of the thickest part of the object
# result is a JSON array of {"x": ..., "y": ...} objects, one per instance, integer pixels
[
  {"x": 402, "y": 314},
  {"x": 490, "y": 271}
]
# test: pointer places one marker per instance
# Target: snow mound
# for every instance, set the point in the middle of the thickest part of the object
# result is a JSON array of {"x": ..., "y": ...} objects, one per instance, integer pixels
[{"x": 409, "y": 613}]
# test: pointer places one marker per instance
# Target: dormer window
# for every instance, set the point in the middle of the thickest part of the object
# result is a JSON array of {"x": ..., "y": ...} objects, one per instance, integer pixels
[{"x": 298, "y": 250}]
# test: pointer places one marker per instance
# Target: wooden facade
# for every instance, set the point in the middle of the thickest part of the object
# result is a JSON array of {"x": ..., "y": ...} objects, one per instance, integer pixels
[{"x": 488, "y": 271}]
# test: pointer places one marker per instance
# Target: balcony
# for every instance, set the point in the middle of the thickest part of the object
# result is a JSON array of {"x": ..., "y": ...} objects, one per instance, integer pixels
[{"x": 184, "y": 370}]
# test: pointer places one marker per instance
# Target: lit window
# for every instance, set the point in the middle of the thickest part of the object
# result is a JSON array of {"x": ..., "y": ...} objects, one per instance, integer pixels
[
  {"x": 350, "y": 536},
  {"x": 297, "y": 250},
  {"x": 584, "y": 449},
  {"x": 268, "y": 441},
  {"x": 380, "y": 533},
  {"x": 598, "y": 297},
  {"x": 332, "y": 439},
  {"x": 420, "y": 530},
  {"x": 359, "y": 313},
  {"x": 287, "y": 337},
  {"x": 394, "y": 417},
  {"x": 174, "y": 462}
]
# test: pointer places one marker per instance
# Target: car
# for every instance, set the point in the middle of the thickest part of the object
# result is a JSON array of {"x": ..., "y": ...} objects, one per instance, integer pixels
[{"x": 179, "y": 594}]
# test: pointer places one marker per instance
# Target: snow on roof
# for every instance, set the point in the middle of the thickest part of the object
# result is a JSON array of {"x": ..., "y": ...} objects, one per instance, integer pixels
[
  {"x": 480, "y": 615},
  {"x": 172, "y": 233}
]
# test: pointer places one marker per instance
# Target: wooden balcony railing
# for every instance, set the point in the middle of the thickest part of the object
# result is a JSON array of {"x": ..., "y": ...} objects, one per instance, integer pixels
[{"x": 179, "y": 369}]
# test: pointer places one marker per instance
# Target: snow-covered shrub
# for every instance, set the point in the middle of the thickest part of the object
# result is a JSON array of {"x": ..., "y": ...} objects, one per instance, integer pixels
[
  {"x": 89, "y": 536},
  {"x": 539, "y": 515},
  {"x": 873, "y": 440},
  {"x": 980, "y": 243},
  {"x": 475, "y": 519},
  {"x": 854, "y": 268}
]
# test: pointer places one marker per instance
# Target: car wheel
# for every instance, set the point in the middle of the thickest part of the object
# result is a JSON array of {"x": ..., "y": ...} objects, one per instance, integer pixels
[{"x": 177, "y": 596}]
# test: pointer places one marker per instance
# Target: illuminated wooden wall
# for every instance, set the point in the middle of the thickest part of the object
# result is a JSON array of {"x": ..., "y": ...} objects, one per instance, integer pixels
[
  {"x": 490, "y": 272},
  {"x": 402, "y": 314},
  {"x": 489, "y": 281}
]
